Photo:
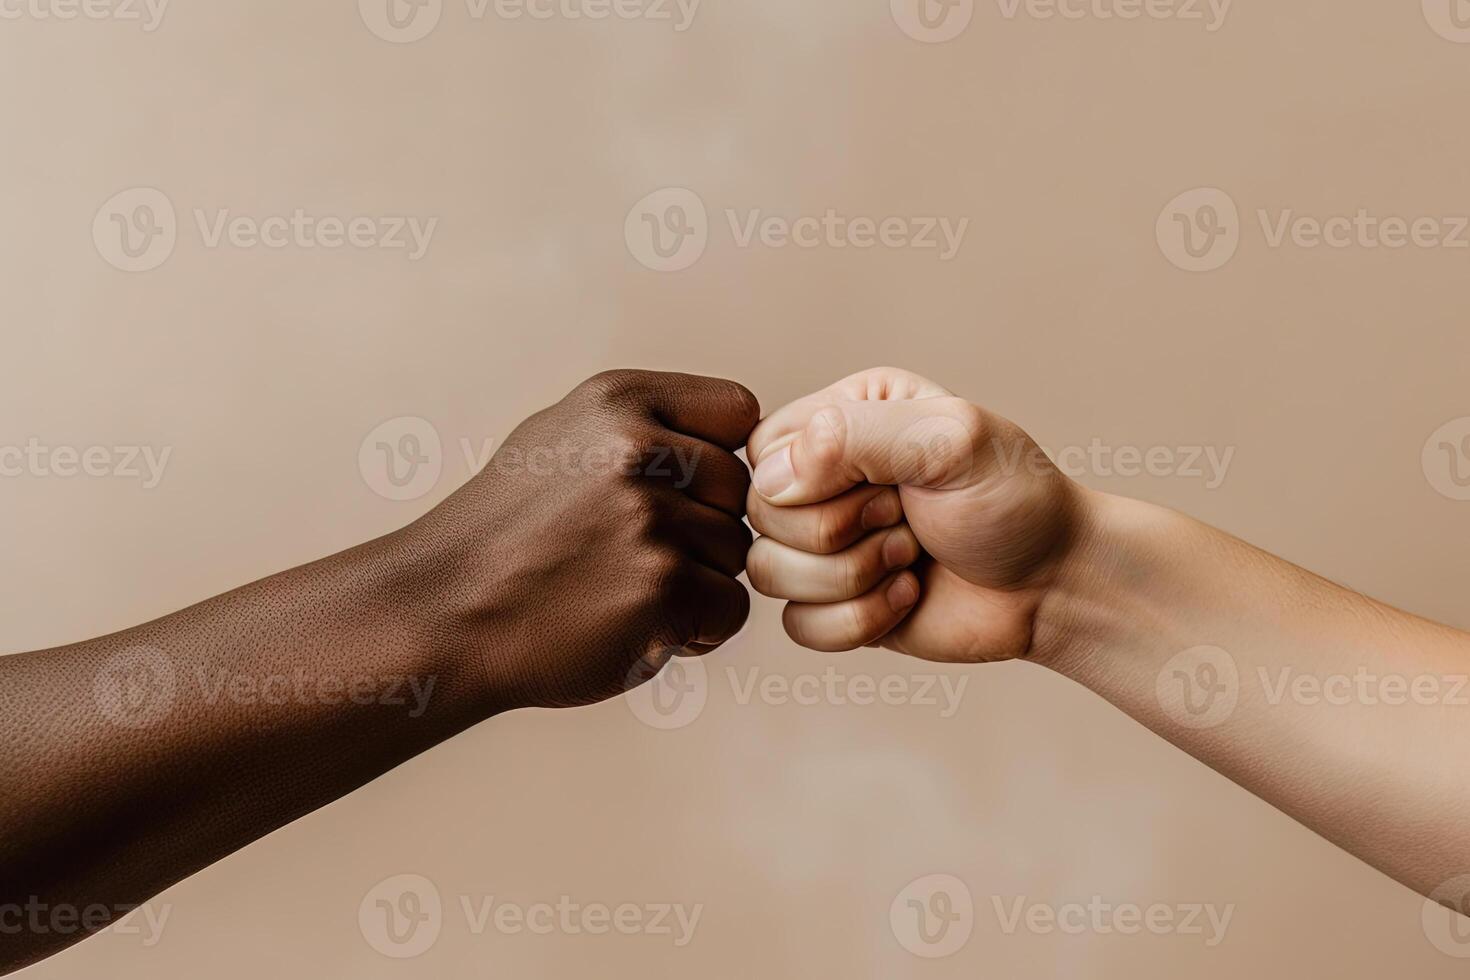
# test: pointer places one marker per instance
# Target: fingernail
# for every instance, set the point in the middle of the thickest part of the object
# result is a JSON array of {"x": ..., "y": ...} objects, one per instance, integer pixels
[
  {"x": 903, "y": 593},
  {"x": 898, "y": 550},
  {"x": 774, "y": 475},
  {"x": 883, "y": 510}
]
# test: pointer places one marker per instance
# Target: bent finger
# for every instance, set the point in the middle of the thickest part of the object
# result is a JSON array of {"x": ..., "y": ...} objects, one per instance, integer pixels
[
  {"x": 783, "y": 572},
  {"x": 836, "y": 627},
  {"x": 831, "y": 525}
]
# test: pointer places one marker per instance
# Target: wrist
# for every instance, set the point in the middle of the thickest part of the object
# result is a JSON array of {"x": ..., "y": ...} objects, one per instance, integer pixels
[
  {"x": 439, "y": 601},
  {"x": 1102, "y": 599}
]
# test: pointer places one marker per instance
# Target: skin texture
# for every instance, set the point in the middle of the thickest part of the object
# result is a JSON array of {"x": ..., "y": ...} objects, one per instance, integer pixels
[
  {"x": 1301, "y": 691},
  {"x": 994, "y": 519},
  {"x": 602, "y": 539}
]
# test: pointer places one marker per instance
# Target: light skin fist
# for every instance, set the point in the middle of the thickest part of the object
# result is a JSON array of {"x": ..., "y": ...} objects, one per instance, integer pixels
[{"x": 893, "y": 513}]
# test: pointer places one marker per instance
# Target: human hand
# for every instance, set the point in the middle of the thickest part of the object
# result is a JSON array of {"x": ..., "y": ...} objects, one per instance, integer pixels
[
  {"x": 602, "y": 537},
  {"x": 896, "y": 514}
]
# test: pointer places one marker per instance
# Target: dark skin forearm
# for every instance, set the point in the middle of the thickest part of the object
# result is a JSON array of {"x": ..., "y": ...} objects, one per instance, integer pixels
[
  {"x": 567, "y": 572},
  {"x": 132, "y": 761}
]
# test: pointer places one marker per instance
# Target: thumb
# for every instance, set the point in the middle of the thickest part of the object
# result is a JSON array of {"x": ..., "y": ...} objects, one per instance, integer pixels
[{"x": 928, "y": 442}]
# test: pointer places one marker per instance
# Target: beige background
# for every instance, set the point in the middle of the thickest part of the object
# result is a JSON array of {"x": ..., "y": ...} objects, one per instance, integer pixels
[{"x": 794, "y": 826}]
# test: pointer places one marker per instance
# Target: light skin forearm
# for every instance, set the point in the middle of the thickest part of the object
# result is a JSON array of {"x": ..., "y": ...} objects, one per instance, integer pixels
[
  {"x": 1349, "y": 715},
  {"x": 1345, "y": 713}
]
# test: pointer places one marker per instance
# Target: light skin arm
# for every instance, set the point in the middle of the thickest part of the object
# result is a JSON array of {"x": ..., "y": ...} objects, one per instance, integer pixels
[
  {"x": 1345, "y": 713},
  {"x": 567, "y": 572}
]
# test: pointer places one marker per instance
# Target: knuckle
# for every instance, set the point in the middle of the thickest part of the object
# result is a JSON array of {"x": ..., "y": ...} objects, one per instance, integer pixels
[
  {"x": 740, "y": 475},
  {"x": 758, "y": 567},
  {"x": 852, "y": 574},
  {"x": 946, "y": 443},
  {"x": 973, "y": 420},
  {"x": 730, "y": 399},
  {"x": 719, "y": 468},
  {"x": 860, "y": 625},
  {"x": 794, "y": 623},
  {"x": 631, "y": 447},
  {"x": 826, "y": 436},
  {"x": 738, "y": 608},
  {"x": 747, "y": 407},
  {"x": 886, "y": 381},
  {"x": 830, "y": 534},
  {"x": 617, "y": 385},
  {"x": 640, "y": 513},
  {"x": 883, "y": 509},
  {"x": 755, "y": 512},
  {"x": 666, "y": 572}
]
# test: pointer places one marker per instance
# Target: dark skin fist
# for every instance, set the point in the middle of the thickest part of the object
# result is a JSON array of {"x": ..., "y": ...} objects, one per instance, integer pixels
[{"x": 604, "y": 537}]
